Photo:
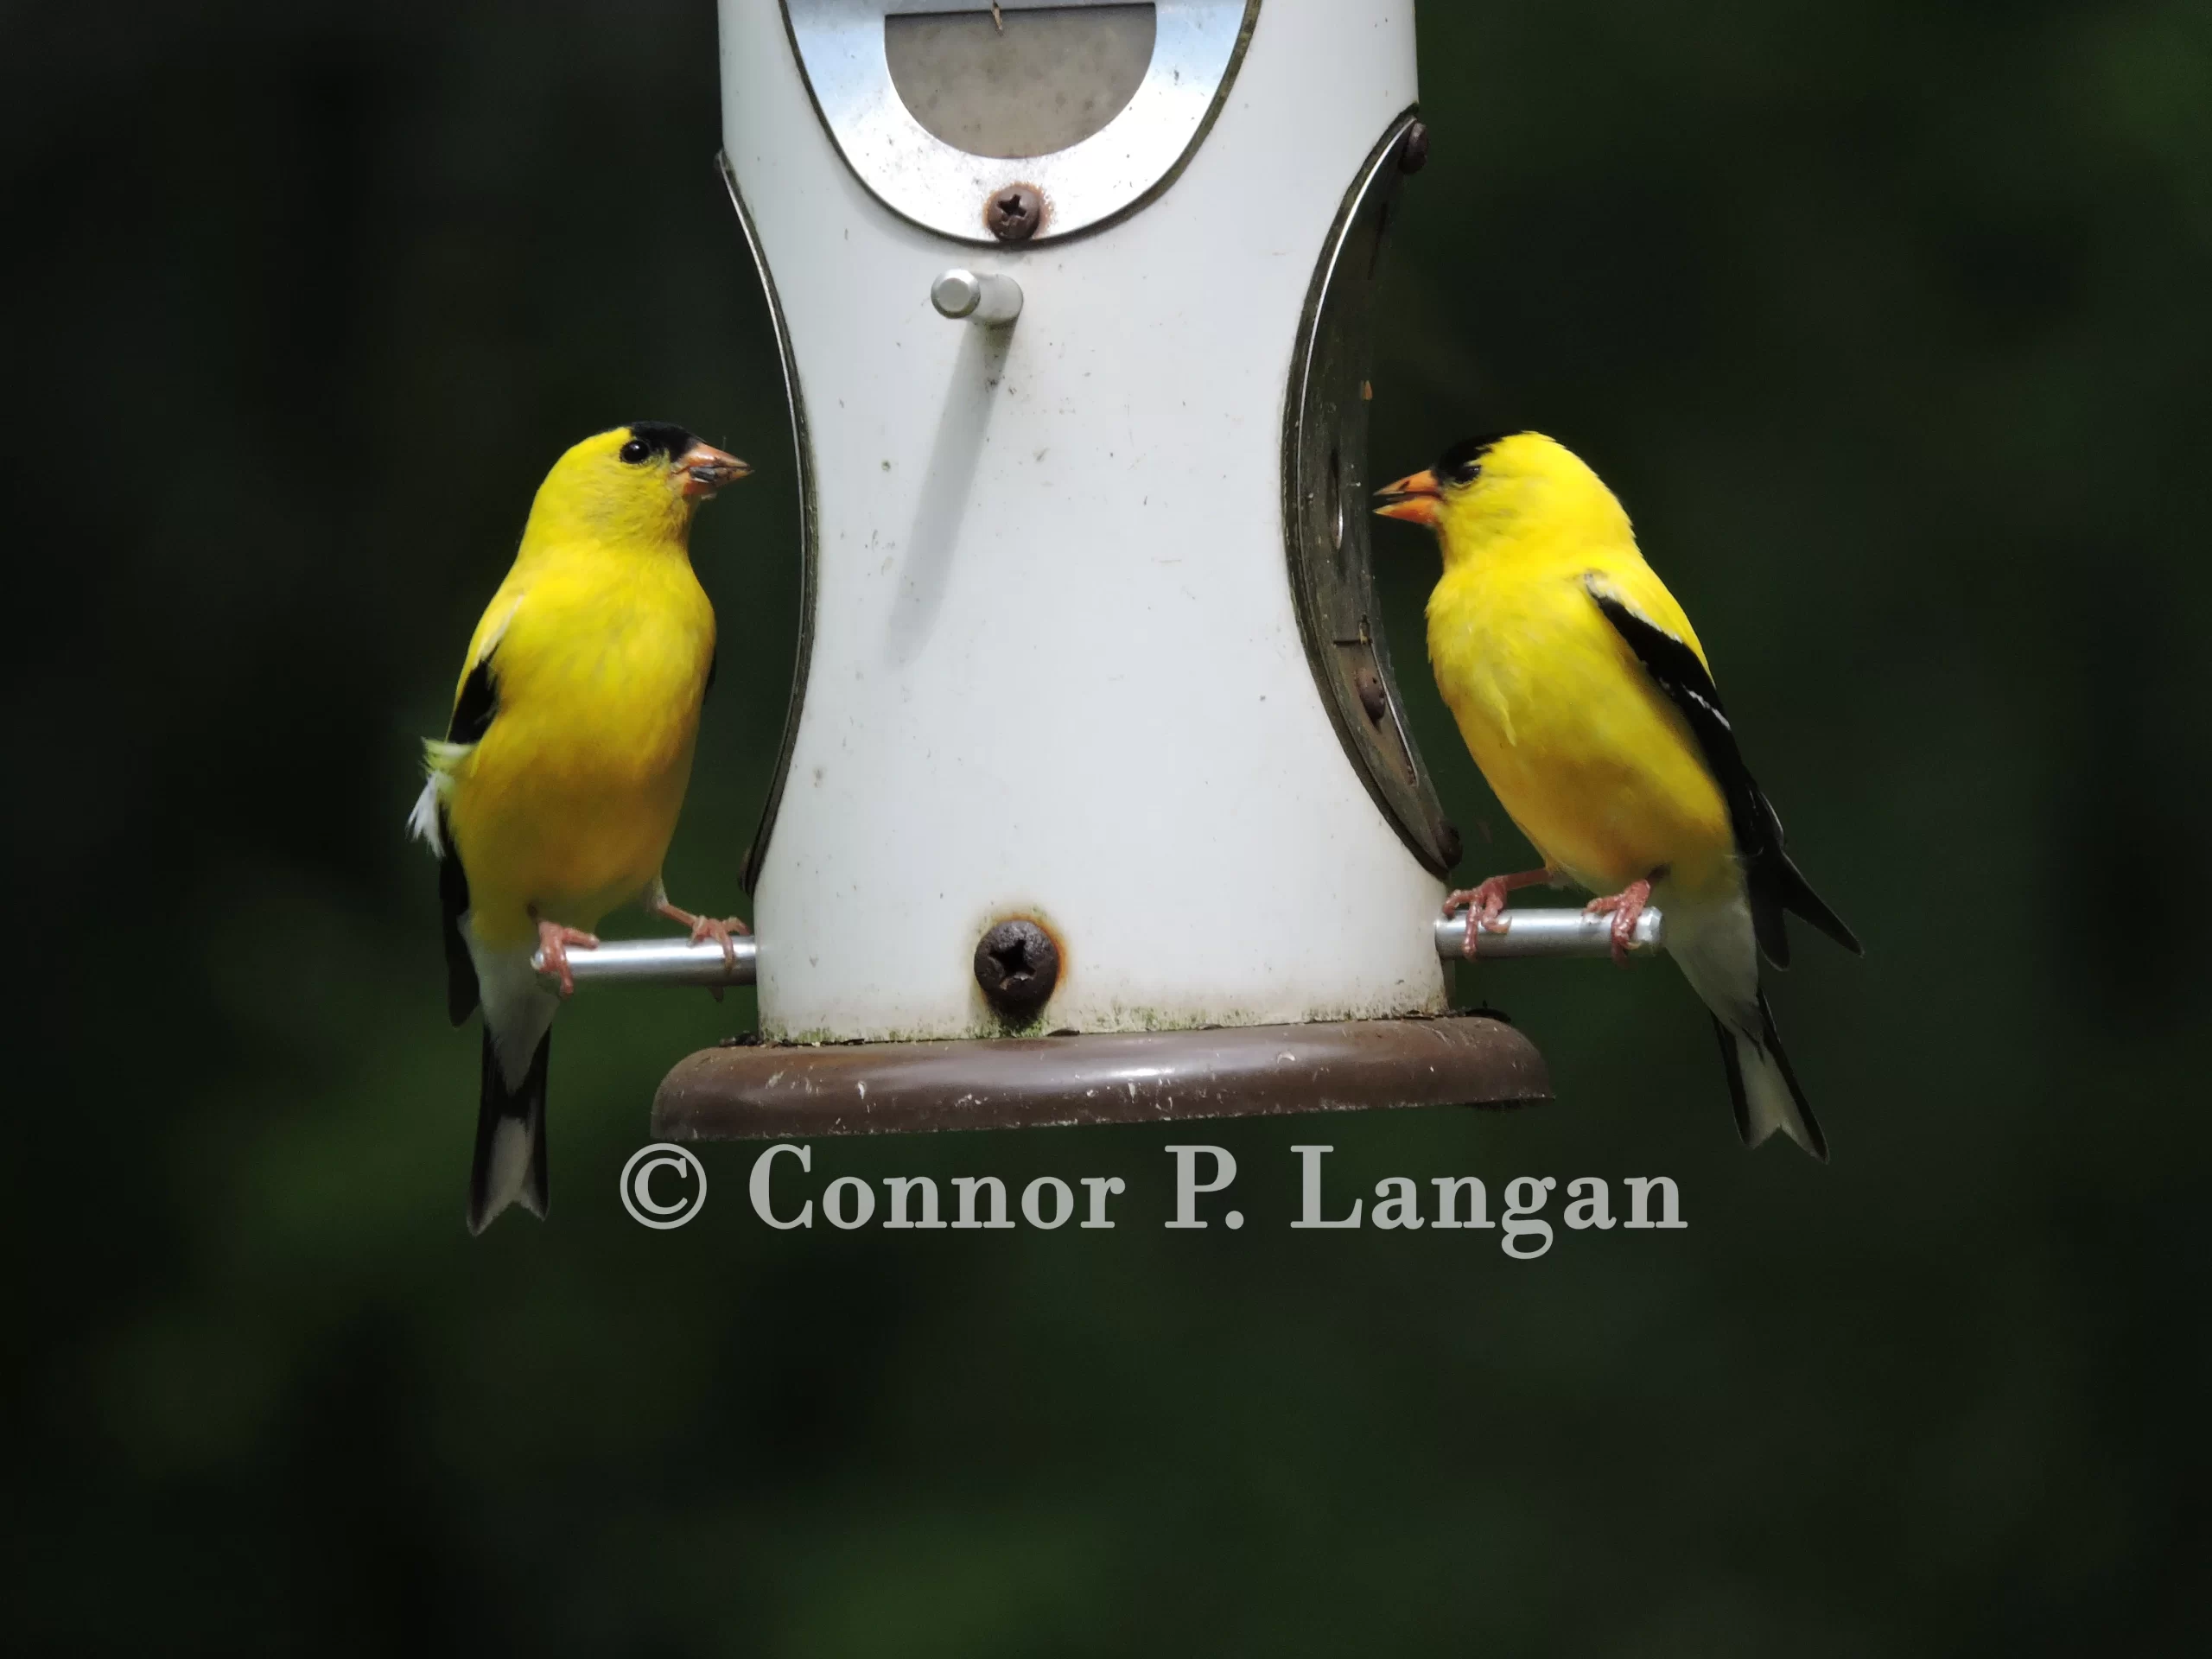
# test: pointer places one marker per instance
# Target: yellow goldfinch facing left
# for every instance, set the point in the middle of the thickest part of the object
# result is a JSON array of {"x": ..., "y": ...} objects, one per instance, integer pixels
[
  {"x": 1586, "y": 699},
  {"x": 554, "y": 794}
]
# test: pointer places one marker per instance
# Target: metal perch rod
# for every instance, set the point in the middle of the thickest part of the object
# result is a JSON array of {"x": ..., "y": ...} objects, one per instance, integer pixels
[
  {"x": 1546, "y": 933},
  {"x": 660, "y": 962},
  {"x": 678, "y": 962}
]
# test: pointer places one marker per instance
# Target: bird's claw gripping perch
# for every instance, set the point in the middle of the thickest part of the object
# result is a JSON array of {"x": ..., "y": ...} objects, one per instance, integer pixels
[
  {"x": 722, "y": 932},
  {"x": 1625, "y": 907},
  {"x": 708, "y": 927},
  {"x": 1485, "y": 903},
  {"x": 553, "y": 942}
]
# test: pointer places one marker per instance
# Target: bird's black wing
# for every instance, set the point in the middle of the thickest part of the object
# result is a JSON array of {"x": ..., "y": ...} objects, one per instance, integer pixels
[
  {"x": 453, "y": 904},
  {"x": 473, "y": 713},
  {"x": 1775, "y": 884},
  {"x": 478, "y": 703}
]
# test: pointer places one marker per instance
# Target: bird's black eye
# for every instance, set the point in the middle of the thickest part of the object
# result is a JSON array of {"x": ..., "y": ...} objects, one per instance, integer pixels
[{"x": 636, "y": 450}]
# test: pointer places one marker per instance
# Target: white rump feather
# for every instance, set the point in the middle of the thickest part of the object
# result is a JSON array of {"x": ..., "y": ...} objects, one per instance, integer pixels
[{"x": 439, "y": 758}]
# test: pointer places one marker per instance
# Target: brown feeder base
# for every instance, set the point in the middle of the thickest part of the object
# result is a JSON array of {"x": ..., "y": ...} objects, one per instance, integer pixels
[{"x": 1138, "y": 1077}]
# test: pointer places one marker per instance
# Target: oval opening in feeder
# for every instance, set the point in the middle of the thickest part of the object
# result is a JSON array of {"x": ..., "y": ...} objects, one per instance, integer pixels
[
  {"x": 1026, "y": 82},
  {"x": 1325, "y": 447}
]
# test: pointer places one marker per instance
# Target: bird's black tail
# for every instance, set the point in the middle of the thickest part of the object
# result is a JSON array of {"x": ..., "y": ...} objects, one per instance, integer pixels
[
  {"x": 1796, "y": 894},
  {"x": 510, "y": 1165},
  {"x": 1765, "y": 1090}
]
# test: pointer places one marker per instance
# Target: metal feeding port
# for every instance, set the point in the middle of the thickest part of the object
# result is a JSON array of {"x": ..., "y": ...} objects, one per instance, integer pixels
[
  {"x": 1325, "y": 506},
  {"x": 1030, "y": 118},
  {"x": 1096, "y": 800}
]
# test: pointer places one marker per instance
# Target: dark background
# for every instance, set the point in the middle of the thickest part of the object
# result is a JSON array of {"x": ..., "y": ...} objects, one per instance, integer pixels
[{"x": 1892, "y": 325}]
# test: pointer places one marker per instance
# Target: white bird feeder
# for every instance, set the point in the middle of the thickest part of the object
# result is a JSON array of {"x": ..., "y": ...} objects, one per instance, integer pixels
[{"x": 1096, "y": 800}]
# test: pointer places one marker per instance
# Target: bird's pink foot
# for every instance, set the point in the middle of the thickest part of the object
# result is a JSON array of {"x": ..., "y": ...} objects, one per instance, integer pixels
[
  {"x": 554, "y": 942},
  {"x": 707, "y": 927},
  {"x": 1625, "y": 907},
  {"x": 1485, "y": 901}
]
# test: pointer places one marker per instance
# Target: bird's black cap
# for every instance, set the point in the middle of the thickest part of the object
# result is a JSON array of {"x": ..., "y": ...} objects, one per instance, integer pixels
[
  {"x": 1464, "y": 460},
  {"x": 659, "y": 438}
]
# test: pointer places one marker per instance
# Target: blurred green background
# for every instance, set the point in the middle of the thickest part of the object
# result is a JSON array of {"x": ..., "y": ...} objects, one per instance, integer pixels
[{"x": 1892, "y": 325}]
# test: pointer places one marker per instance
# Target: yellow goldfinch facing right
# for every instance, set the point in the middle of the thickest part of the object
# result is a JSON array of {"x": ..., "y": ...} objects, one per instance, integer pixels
[
  {"x": 554, "y": 795},
  {"x": 1587, "y": 701}
]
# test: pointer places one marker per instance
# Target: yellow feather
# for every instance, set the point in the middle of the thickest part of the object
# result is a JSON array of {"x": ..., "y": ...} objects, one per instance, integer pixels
[
  {"x": 1593, "y": 764},
  {"x": 602, "y": 639}
]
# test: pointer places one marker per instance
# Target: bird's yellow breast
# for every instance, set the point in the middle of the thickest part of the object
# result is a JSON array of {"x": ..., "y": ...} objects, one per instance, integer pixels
[
  {"x": 1581, "y": 748},
  {"x": 567, "y": 804}
]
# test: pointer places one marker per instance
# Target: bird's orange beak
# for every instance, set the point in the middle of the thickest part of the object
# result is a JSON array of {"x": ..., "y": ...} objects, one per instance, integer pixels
[
  {"x": 709, "y": 469},
  {"x": 1417, "y": 498}
]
